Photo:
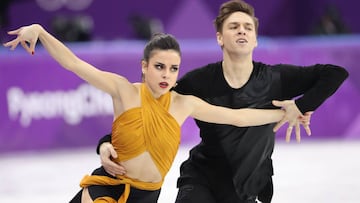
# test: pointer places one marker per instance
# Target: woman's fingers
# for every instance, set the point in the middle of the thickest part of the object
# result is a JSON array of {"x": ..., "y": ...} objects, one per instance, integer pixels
[
  {"x": 12, "y": 44},
  {"x": 26, "y": 46},
  {"x": 14, "y": 32},
  {"x": 32, "y": 47}
]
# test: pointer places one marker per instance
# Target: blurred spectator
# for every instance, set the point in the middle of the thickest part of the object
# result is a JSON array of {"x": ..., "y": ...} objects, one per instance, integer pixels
[
  {"x": 72, "y": 29},
  {"x": 4, "y": 21},
  {"x": 331, "y": 22},
  {"x": 145, "y": 28},
  {"x": 4, "y": 4}
]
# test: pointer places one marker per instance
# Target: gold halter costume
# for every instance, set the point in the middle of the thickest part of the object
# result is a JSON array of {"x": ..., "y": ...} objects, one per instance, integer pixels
[{"x": 147, "y": 128}]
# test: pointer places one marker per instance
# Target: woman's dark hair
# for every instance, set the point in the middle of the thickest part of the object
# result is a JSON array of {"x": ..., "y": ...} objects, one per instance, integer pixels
[{"x": 161, "y": 41}]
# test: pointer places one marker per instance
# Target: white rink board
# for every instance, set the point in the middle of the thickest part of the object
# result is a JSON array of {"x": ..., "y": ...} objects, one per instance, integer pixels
[{"x": 322, "y": 172}]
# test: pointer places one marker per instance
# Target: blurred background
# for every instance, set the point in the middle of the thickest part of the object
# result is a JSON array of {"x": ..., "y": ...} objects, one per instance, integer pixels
[{"x": 50, "y": 120}]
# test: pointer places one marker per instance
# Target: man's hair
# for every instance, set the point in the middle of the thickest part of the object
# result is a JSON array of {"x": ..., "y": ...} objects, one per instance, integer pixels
[{"x": 231, "y": 7}]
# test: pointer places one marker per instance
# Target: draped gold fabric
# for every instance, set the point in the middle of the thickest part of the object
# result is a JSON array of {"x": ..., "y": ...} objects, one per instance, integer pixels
[{"x": 147, "y": 128}]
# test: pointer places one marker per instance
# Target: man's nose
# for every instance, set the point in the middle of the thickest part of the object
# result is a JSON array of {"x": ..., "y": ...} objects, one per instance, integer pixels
[{"x": 241, "y": 30}]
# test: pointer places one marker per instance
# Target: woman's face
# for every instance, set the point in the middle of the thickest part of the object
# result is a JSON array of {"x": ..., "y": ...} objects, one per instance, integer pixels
[{"x": 161, "y": 71}]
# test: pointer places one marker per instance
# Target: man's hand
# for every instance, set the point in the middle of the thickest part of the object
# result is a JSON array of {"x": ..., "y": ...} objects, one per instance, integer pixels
[
  {"x": 305, "y": 121},
  {"x": 294, "y": 117},
  {"x": 106, "y": 152}
]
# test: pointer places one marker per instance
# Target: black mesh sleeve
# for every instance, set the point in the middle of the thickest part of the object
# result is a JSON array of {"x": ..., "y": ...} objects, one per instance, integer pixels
[{"x": 105, "y": 138}]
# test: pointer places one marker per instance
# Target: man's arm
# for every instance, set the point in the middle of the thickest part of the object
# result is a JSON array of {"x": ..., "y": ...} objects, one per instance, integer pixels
[
  {"x": 312, "y": 85},
  {"x": 105, "y": 138}
]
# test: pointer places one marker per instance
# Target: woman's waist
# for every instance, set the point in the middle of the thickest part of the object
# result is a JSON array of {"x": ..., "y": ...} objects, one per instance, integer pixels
[{"x": 141, "y": 168}]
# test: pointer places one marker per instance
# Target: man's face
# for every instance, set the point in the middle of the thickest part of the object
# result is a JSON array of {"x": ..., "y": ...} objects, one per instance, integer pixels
[{"x": 238, "y": 34}]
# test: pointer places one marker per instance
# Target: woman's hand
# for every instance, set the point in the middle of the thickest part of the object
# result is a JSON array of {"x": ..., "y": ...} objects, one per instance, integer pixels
[{"x": 27, "y": 36}]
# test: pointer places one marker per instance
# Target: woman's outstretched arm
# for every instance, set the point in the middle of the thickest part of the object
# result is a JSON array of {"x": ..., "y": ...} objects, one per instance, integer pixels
[
  {"x": 201, "y": 110},
  {"x": 243, "y": 117},
  {"x": 28, "y": 36}
]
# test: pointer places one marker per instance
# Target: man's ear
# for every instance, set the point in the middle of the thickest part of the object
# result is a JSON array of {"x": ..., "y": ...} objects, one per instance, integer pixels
[{"x": 219, "y": 39}]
